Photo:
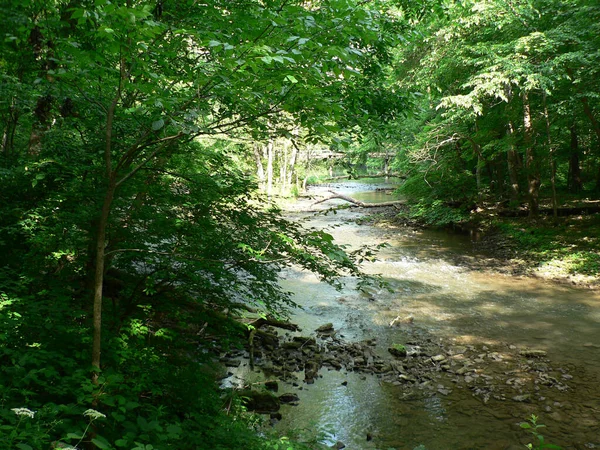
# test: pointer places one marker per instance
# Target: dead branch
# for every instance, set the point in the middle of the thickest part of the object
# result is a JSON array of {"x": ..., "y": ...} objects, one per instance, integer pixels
[{"x": 358, "y": 202}]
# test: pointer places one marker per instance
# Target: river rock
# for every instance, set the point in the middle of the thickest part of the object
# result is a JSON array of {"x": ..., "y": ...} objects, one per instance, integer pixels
[
  {"x": 522, "y": 398},
  {"x": 327, "y": 328},
  {"x": 529, "y": 353},
  {"x": 292, "y": 345},
  {"x": 262, "y": 402},
  {"x": 397, "y": 350},
  {"x": 289, "y": 398},
  {"x": 311, "y": 370},
  {"x": 272, "y": 385}
]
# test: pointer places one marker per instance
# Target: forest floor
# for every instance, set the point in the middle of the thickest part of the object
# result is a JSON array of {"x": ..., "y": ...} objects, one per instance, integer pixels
[{"x": 564, "y": 249}]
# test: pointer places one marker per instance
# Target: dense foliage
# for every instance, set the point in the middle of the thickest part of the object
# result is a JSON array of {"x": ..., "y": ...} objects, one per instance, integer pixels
[
  {"x": 505, "y": 103},
  {"x": 130, "y": 233}
]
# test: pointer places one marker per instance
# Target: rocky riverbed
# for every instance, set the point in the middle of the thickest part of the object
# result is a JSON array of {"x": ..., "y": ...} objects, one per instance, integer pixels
[{"x": 428, "y": 367}]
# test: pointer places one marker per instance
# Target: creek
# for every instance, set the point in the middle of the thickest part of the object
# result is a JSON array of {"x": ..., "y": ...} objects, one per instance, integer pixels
[{"x": 483, "y": 383}]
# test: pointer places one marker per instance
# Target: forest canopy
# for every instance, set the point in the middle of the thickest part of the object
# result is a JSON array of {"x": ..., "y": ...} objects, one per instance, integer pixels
[{"x": 141, "y": 141}]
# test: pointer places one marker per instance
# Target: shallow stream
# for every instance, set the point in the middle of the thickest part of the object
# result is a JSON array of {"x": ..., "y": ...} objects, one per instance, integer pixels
[{"x": 435, "y": 298}]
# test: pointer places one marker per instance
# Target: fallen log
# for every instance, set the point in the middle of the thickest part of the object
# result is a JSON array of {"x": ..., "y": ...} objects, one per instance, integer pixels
[
  {"x": 565, "y": 211},
  {"x": 356, "y": 177},
  {"x": 358, "y": 202}
]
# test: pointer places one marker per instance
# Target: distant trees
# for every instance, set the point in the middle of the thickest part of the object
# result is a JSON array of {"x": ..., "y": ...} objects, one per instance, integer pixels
[{"x": 510, "y": 100}]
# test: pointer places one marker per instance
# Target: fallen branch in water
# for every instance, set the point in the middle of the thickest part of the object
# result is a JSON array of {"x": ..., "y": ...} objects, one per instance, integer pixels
[{"x": 358, "y": 202}]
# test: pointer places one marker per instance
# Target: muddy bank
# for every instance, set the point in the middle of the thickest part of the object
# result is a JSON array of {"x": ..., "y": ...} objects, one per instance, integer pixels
[{"x": 492, "y": 250}]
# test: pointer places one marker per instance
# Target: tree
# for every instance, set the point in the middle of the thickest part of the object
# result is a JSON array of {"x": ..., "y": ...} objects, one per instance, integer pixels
[{"x": 116, "y": 190}]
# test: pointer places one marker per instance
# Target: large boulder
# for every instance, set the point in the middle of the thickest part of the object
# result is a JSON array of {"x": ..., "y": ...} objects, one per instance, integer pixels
[{"x": 262, "y": 402}]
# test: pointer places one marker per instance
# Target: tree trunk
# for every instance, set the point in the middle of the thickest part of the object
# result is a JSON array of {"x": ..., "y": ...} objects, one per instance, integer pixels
[
  {"x": 513, "y": 164},
  {"x": 270, "y": 168},
  {"x": 551, "y": 151},
  {"x": 8, "y": 135},
  {"x": 590, "y": 115},
  {"x": 283, "y": 166},
  {"x": 101, "y": 240},
  {"x": 575, "y": 183},
  {"x": 531, "y": 164},
  {"x": 260, "y": 170},
  {"x": 292, "y": 164},
  {"x": 99, "y": 277}
]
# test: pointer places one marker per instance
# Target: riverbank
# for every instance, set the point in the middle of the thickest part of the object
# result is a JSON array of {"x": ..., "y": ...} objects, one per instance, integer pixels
[{"x": 563, "y": 250}]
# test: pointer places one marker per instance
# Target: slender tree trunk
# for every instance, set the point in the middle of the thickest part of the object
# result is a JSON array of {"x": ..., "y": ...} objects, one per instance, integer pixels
[
  {"x": 101, "y": 241},
  {"x": 513, "y": 164},
  {"x": 284, "y": 166},
  {"x": 531, "y": 163},
  {"x": 575, "y": 183},
  {"x": 551, "y": 151},
  {"x": 99, "y": 277},
  {"x": 260, "y": 170},
  {"x": 8, "y": 135},
  {"x": 292, "y": 164},
  {"x": 270, "y": 168},
  {"x": 590, "y": 115}
]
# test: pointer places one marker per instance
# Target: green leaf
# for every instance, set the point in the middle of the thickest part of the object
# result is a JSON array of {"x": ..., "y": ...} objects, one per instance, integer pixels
[
  {"x": 75, "y": 436},
  {"x": 100, "y": 442},
  {"x": 157, "y": 125},
  {"x": 24, "y": 447}
]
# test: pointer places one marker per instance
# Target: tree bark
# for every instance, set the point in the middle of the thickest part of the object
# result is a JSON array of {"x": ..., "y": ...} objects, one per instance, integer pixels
[
  {"x": 551, "y": 151},
  {"x": 575, "y": 182},
  {"x": 101, "y": 240},
  {"x": 270, "y": 168},
  {"x": 260, "y": 170},
  {"x": 513, "y": 163},
  {"x": 531, "y": 164},
  {"x": 590, "y": 115}
]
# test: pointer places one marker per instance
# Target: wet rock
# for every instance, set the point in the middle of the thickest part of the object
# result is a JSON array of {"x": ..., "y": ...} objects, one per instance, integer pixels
[
  {"x": 272, "y": 385},
  {"x": 292, "y": 345},
  {"x": 444, "y": 391},
  {"x": 438, "y": 358},
  {"x": 327, "y": 328},
  {"x": 522, "y": 398},
  {"x": 289, "y": 398},
  {"x": 339, "y": 445},
  {"x": 529, "y": 353},
  {"x": 262, "y": 402},
  {"x": 458, "y": 350},
  {"x": 276, "y": 416},
  {"x": 407, "y": 378},
  {"x": 231, "y": 362},
  {"x": 311, "y": 370},
  {"x": 305, "y": 340},
  {"x": 398, "y": 350}
]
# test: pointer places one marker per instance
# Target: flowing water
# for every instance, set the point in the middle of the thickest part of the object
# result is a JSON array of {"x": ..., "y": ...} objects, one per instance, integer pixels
[{"x": 454, "y": 304}]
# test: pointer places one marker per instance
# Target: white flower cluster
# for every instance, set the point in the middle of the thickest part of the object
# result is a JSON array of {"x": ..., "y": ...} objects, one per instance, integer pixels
[
  {"x": 93, "y": 414},
  {"x": 24, "y": 412}
]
